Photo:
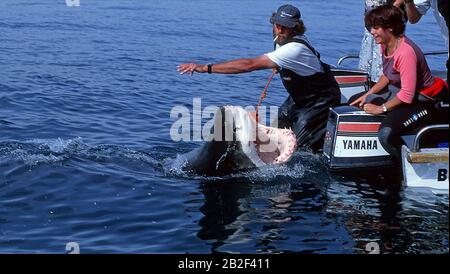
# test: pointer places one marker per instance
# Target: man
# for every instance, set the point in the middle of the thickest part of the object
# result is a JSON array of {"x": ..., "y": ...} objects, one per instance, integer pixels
[{"x": 311, "y": 86}]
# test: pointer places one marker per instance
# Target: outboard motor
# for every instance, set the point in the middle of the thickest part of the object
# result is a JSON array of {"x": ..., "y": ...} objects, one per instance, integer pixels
[
  {"x": 351, "y": 140},
  {"x": 350, "y": 82}
]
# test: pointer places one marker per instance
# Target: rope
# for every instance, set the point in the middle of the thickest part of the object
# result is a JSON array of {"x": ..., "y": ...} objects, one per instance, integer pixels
[{"x": 263, "y": 95}]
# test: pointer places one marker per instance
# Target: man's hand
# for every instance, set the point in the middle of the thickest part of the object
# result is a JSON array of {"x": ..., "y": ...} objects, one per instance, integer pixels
[{"x": 191, "y": 68}]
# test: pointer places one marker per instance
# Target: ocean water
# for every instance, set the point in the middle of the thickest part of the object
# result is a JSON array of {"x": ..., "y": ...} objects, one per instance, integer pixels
[{"x": 86, "y": 154}]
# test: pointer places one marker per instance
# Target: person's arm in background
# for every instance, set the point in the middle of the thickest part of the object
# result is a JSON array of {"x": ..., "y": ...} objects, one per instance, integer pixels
[
  {"x": 398, "y": 3},
  {"x": 415, "y": 9}
]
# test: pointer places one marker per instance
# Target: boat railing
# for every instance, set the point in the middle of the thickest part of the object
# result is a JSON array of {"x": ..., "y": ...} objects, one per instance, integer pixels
[
  {"x": 423, "y": 131},
  {"x": 345, "y": 57},
  {"x": 356, "y": 56},
  {"x": 443, "y": 105}
]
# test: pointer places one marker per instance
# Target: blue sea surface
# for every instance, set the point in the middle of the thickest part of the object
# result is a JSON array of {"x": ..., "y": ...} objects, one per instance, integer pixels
[{"x": 86, "y": 154}]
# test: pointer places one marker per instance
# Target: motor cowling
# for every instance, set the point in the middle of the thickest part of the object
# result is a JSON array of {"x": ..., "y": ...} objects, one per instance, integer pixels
[{"x": 351, "y": 140}]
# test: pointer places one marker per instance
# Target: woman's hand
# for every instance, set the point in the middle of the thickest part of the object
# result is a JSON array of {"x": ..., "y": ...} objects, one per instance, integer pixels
[
  {"x": 360, "y": 101},
  {"x": 191, "y": 68},
  {"x": 373, "y": 109}
]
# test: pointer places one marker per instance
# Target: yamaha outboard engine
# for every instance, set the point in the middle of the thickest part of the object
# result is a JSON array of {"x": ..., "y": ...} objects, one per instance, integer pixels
[{"x": 351, "y": 140}]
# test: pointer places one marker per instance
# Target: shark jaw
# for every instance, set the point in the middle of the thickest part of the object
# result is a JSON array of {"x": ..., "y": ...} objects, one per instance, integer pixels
[{"x": 262, "y": 144}]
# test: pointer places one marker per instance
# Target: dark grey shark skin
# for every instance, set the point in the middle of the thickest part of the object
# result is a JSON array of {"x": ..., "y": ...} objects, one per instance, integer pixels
[{"x": 218, "y": 158}]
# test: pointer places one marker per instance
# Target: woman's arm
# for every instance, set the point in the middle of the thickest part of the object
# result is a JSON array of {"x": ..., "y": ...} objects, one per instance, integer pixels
[
  {"x": 380, "y": 85},
  {"x": 405, "y": 63},
  {"x": 390, "y": 105}
]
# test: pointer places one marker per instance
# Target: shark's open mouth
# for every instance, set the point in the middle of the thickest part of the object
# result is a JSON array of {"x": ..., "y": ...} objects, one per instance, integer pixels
[
  {"x": 239, "y": 143},
  {"x": 262, "y": 144}
]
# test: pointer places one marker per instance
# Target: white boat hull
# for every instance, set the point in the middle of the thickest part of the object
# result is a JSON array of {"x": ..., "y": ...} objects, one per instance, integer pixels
[{"x": 430, "y": 173}]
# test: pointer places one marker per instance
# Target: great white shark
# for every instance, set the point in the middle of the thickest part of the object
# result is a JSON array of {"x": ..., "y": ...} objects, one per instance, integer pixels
[{"x": 240, "y": 143}]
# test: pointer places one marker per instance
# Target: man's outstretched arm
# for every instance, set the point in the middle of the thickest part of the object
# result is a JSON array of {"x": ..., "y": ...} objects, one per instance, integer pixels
[{"x": 231, "y": 67}]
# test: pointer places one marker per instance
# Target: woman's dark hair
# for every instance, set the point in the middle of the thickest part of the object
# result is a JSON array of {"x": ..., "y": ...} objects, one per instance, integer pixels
[{"x": 386, "y": 16}]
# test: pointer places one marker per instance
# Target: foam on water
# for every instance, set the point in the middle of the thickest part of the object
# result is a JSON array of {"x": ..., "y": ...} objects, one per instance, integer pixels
[
  {"x": 301, "y": 164},
  {"x": 48, "y": 151}
]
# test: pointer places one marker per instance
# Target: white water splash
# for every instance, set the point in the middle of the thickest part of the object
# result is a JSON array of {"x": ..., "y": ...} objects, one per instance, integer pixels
[
  {"x": 57, "y": 145},
  {"x": 271, "y": 172},
  {"x": 266, "y": 173},
  {"x": 38, "y": 151}
]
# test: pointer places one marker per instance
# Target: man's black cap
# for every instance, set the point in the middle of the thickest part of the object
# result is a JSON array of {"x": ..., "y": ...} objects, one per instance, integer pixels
[{"x": 286, "y": 15}]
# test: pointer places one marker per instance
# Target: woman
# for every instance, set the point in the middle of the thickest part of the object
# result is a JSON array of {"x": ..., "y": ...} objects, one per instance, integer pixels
[
  {"x": 369, "y": 55},
  {"x": 413, "y": 91}
]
